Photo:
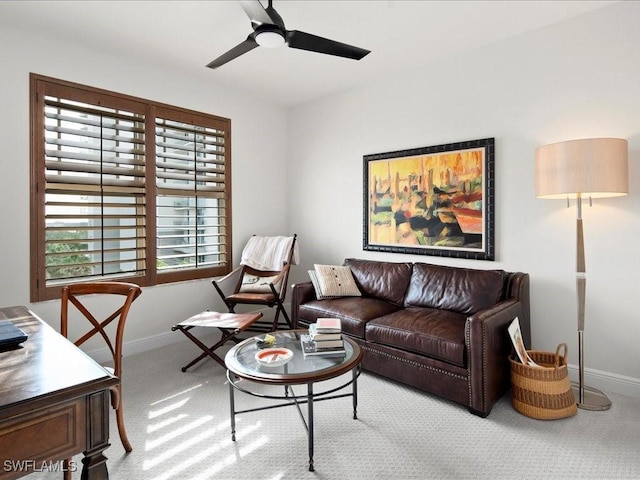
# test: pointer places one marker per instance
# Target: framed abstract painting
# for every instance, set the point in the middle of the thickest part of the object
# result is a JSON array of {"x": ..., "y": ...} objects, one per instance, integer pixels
[{"x": 437, "y": 200}]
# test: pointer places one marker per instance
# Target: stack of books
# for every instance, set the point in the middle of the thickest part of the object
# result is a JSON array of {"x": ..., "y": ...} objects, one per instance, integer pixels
[{"x": 324, "y": 339}]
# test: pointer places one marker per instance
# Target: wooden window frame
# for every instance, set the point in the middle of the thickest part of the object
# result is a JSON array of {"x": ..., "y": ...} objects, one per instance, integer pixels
[{"x": 41, "y": 86}]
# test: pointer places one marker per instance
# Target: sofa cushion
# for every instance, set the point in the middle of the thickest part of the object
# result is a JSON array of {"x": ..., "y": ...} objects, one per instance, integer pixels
[
  {"x": 435, "y": 333},
  {"x": 354, "y": 312},
  {"x": 460, "y": 290},
  {"x": 333, "y": 281},
  {"x": 384, "y": 280}
]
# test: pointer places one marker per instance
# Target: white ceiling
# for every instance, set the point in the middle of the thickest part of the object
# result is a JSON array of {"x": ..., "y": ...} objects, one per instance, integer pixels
[{"x": 189, "y": 34}]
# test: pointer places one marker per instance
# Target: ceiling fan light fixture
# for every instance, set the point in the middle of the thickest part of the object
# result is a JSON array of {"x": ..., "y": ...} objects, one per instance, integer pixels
[
  {"x": 269, "y": 31},
  {"x": 270, "y": 38}
]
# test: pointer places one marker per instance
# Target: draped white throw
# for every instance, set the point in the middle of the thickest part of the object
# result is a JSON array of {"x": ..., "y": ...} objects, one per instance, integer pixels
[{"x": 269, "y": 253}]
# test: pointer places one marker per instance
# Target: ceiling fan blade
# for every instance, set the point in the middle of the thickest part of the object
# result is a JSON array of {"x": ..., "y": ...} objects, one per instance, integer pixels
[
  {"x": 313, "y": 43},
  {"x": 246, "y": 46},
  {"x": 257, "y": 13}
]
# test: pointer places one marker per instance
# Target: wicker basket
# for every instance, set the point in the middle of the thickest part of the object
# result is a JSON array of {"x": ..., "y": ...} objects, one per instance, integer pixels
[{"x": 543, "y": 393}]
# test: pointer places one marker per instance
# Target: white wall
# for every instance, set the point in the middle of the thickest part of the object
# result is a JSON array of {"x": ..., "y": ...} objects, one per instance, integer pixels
[
  {"x": 258, "y": 158},
  {"x": 575, "y": 79}
]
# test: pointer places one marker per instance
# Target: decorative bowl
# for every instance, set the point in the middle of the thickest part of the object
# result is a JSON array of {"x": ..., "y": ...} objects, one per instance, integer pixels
[{"x": 273, "y": 357}]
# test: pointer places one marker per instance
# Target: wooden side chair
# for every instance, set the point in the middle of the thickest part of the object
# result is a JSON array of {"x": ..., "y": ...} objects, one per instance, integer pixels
[
  {"x": 261, "y": 278},
  {"x": 129, "y": 292}
]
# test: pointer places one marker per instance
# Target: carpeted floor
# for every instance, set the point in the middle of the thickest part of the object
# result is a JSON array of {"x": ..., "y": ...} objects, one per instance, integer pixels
[{"x": 179, "y": 426}]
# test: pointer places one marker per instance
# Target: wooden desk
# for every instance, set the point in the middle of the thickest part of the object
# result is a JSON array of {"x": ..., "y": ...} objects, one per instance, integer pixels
[{"x": 54, "y": 403}]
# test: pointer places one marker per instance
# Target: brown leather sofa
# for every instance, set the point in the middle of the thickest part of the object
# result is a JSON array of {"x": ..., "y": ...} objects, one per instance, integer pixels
[{"x": 440, "y": 329}]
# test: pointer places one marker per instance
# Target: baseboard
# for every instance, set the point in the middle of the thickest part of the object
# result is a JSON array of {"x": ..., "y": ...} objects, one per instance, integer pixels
[
  {"x": 102, "y": 355},
  {"x": 607, "y": 382},
  {"x": 133, "y": 347}
]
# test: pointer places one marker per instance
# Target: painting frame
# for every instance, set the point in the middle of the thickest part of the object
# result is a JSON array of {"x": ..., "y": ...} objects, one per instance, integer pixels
[{"x": 437, "y": 200}]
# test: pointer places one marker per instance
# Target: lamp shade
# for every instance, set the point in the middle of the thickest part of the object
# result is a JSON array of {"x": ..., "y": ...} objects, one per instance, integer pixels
[{"x": 591, "y": 167}]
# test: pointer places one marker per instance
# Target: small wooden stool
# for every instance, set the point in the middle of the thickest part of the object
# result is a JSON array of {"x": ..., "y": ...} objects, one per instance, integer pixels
[{"x": 230, "y": 324}]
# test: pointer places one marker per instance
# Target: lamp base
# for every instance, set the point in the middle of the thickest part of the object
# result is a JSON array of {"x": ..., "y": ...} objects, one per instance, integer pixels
[{"x": 592, "y": 399}]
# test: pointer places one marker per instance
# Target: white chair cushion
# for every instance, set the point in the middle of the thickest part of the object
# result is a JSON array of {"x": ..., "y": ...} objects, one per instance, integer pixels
[{"x": 256, "y": 284}]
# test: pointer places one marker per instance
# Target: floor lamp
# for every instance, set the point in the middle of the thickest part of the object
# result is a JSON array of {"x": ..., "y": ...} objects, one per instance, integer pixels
[{"x": 593, "y": 168}]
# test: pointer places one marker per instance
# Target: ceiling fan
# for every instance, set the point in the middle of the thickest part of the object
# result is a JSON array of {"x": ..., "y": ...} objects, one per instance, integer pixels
[{"x": 269, "y": 31}]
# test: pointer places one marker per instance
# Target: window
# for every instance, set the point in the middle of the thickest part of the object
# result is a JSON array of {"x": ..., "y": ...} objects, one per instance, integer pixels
[{"x": 124, "y": 189}]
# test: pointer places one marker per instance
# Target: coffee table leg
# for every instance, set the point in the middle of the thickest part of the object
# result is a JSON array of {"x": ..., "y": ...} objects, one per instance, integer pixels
[
  {"x": 232, "y": 406},
  {"x": 310, "y": 432},
  {"x": 355, "y": 393}
]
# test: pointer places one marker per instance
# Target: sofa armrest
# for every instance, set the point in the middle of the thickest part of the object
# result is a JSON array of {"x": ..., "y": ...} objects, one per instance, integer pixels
[
  {"x": 488, "y": 348},
  {"x": 519, "y": 291},
  {"x": 302, "y": 293}
]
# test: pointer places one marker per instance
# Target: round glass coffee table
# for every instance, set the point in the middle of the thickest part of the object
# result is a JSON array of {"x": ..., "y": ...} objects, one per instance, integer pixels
[{"x": 242, "y": 363}]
